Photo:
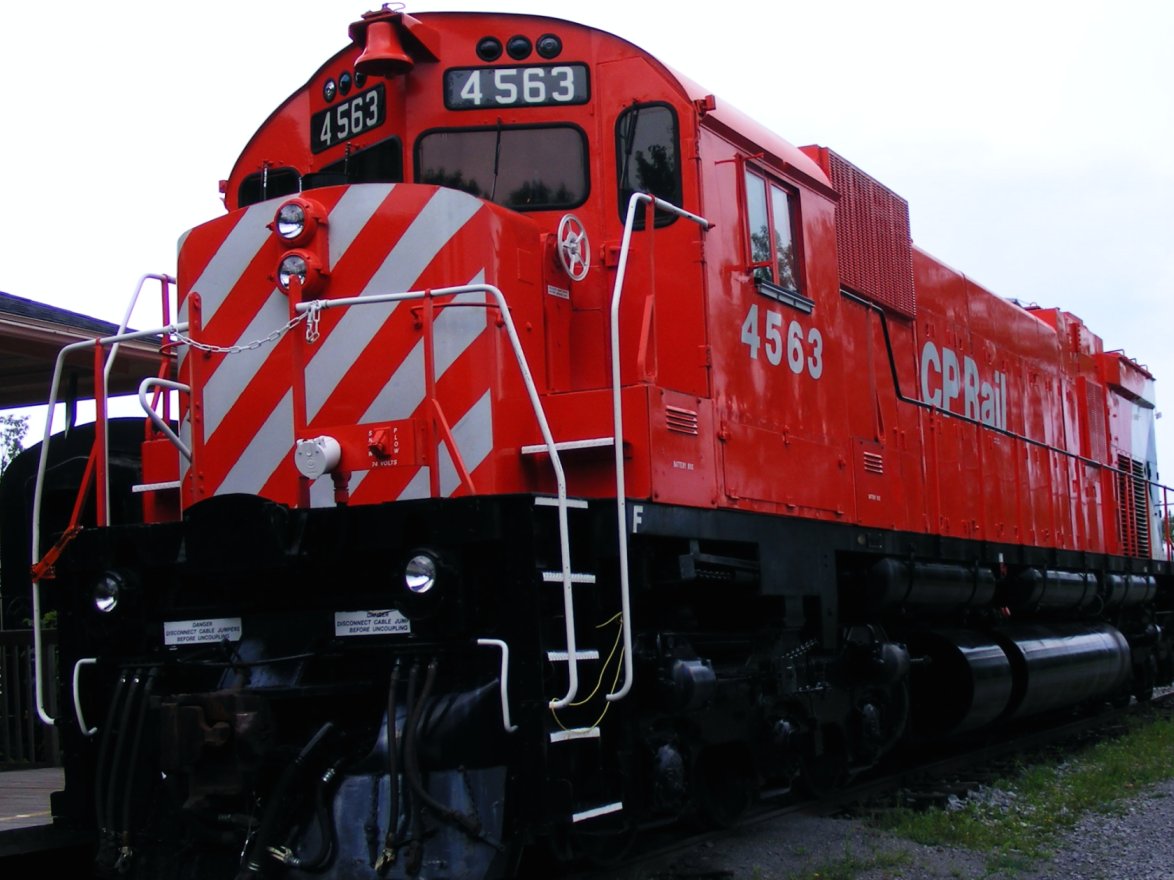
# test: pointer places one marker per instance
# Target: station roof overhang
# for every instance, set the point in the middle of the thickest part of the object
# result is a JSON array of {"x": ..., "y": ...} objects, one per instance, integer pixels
[{"x": 32, "y": 335}]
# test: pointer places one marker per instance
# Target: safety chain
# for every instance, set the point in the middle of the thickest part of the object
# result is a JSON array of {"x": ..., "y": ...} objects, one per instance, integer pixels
[{"x": 310, "y": 316}]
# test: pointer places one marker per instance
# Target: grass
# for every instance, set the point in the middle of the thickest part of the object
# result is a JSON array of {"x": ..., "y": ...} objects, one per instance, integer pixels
[
  {"x": 851, "y": 865},
  {"x": 1035, "y": 806}
]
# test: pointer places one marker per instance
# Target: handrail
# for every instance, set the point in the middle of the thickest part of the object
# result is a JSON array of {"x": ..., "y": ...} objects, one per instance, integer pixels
[
  {"x": 165, "y": 280},
  {"x": 77, "y": 694},
  {"x": 543, "y": 426},
  {"x": 156, "y": 420},
  {"x": 618, "y": 420},
  {"x": 503, "y": 689},
  {"x": 38, "y": 491}
]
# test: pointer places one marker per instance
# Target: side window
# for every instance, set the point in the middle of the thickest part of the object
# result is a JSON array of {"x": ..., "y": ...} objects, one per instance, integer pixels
[
  {"x": 770, "y": 212},
  {"x": 648, "y": 157},
  {"x": 268, "y": 184}
]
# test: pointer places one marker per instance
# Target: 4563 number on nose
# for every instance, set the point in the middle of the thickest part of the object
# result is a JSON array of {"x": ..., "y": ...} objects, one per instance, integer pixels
[{"x": 802, "y": 349}]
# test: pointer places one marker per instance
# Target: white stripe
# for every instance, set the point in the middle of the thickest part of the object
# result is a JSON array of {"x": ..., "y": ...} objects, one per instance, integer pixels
[
  {"x": 238, "y": 250},
  {"x": 353, "y": 211},
  {"x": 473, "y": 436},
  {"x": 418, "y": 486},
  {"x": 441, "y": 218},
  {"x": 265, "y": 452},
  {"x": 404, "y": 391},
  {"x": 322, "y": 489},
  {"x": 234, "y": 373},
  {"x": 598, "y": 811}
]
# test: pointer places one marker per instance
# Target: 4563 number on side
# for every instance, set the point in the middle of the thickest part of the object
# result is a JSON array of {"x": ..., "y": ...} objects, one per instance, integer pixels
[{"x": 779, "y": 340}]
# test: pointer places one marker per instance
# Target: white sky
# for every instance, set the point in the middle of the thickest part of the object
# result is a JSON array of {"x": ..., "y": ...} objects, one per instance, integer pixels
[{"x": 1032, "y": 139}]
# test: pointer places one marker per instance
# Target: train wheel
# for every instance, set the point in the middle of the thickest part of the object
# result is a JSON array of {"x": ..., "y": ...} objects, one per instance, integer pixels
[
  {"x": 725, "y": 785},
  {"x": 821, "y": 775}
]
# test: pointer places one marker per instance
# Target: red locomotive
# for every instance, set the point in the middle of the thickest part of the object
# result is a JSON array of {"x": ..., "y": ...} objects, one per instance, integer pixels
[{"x": 559, "y": 451}]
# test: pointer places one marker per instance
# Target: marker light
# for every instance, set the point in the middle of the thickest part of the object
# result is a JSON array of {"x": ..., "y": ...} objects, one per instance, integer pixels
[
  {"x": 518, "y": 47},
  {"x": 549, "y": 46},
  {"x": 420, "y": 574},
  {"x": 489, "y": 48}
]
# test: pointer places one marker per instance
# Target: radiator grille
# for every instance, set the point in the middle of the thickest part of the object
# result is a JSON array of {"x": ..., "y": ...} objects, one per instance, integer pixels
[
  {"x": 872, "y": 235},
  {"x": 1133, "y": 520}
]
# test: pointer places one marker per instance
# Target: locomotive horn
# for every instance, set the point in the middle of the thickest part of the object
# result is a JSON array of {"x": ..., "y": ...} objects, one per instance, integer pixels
[{"x": 383, "y": 53}]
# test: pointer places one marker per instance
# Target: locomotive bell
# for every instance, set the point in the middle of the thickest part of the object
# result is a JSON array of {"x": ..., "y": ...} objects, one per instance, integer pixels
[{"x": 383, "y": 54}]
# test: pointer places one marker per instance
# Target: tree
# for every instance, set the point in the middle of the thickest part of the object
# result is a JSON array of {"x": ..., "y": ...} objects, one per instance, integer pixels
[{"x": 12, "y": 431}]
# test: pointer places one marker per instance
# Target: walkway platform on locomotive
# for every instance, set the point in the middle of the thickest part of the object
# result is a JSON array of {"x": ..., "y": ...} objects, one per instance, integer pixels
[{"x": 24, "y": 797}]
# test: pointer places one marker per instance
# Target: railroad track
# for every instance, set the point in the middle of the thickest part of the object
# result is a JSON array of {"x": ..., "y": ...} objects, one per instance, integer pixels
[{"x": 903, "y": 781}]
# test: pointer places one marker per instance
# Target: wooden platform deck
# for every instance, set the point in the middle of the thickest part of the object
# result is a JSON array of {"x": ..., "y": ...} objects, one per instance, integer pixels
[{"x": 24, "y": 797}]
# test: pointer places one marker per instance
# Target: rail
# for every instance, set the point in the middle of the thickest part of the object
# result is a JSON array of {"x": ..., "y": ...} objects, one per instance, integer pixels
[
  {"x": 24, "y": 742},
  {"x": 618, "y": 415},
  {"x": 41, "y": 568}
]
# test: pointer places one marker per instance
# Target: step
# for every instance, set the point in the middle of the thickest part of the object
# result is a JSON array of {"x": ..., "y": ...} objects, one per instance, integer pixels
[
  {"x": 575, "y": 733},
  {"x": 563, "y": 656},
  {"x": 570, "y": 445},
  {"x": 594, "y": 812},
  {"x": 556, "y": 577},
  {"x": 549, "y": 501}
]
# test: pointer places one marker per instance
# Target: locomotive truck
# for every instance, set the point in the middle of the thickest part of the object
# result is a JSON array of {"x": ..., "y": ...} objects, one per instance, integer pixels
[{"x": 557, "y": 451}]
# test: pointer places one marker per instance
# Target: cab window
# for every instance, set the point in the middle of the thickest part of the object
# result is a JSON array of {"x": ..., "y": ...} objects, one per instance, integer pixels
[
  {"x": 648, "y": 158},
  {"x": 379, "y": 163},
  {"x": 525, "y": 168},
  {"x": 770, "y": 217}
]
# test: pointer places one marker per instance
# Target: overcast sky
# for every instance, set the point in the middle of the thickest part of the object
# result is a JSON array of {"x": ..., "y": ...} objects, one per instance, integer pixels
[{"x": 1032, "y": 140}]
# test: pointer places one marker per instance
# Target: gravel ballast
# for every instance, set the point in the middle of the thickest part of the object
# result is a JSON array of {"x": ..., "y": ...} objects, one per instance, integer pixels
[{"x": 1133, "y": 838}]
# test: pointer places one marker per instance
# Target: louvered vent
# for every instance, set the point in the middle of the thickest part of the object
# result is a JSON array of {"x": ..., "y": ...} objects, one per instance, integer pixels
[
  {"x": 1095, "y": 407},
  {"x": 683, "y": 421},
  {"x": 1133, "y": 520},
  {"x": 872, "y": 235},
  {"x": 873, "y": 463}
]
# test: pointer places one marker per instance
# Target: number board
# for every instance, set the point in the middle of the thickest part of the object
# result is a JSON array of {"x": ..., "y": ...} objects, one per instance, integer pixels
[
  {"x": 348, "y": 119},
  {"x": 470, "y": 88}
]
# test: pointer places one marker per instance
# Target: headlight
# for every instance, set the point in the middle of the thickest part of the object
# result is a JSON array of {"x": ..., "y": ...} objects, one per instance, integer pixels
[
  {"x": 420, "y": 574},
  {"x": 292, "y": 265},
  {"x": 296, "y": 221},
  {"x": 290, "y": 221},
  {"x": 108, "y": 591},
  {"x": 303, "y": 266}
]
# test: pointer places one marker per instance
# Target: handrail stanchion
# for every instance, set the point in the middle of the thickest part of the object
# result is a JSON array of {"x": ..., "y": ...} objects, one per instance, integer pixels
[{"x": 618, "y": 420}]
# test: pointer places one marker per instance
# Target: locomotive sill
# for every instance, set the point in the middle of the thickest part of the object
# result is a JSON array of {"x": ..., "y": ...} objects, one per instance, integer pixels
[{"x": 786, "y": 297}]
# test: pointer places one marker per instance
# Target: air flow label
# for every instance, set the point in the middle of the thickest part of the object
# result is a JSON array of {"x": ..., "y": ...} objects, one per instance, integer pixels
[
  {"x": 370, "y": 623},
  {"x": 202, "y": 632}
]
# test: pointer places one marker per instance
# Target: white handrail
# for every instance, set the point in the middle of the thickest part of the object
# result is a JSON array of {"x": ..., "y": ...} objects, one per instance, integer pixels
[
  {"x": 165, "y": 280},
  {"x": 77, "y": 694},
  {"x": 156, "y": 419},
  {"x": 505, "y": 675},
  {"x": 618, "y": 420},
  {"x": 38, "y": 491},
  {"x": 544, "y": 427}
]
